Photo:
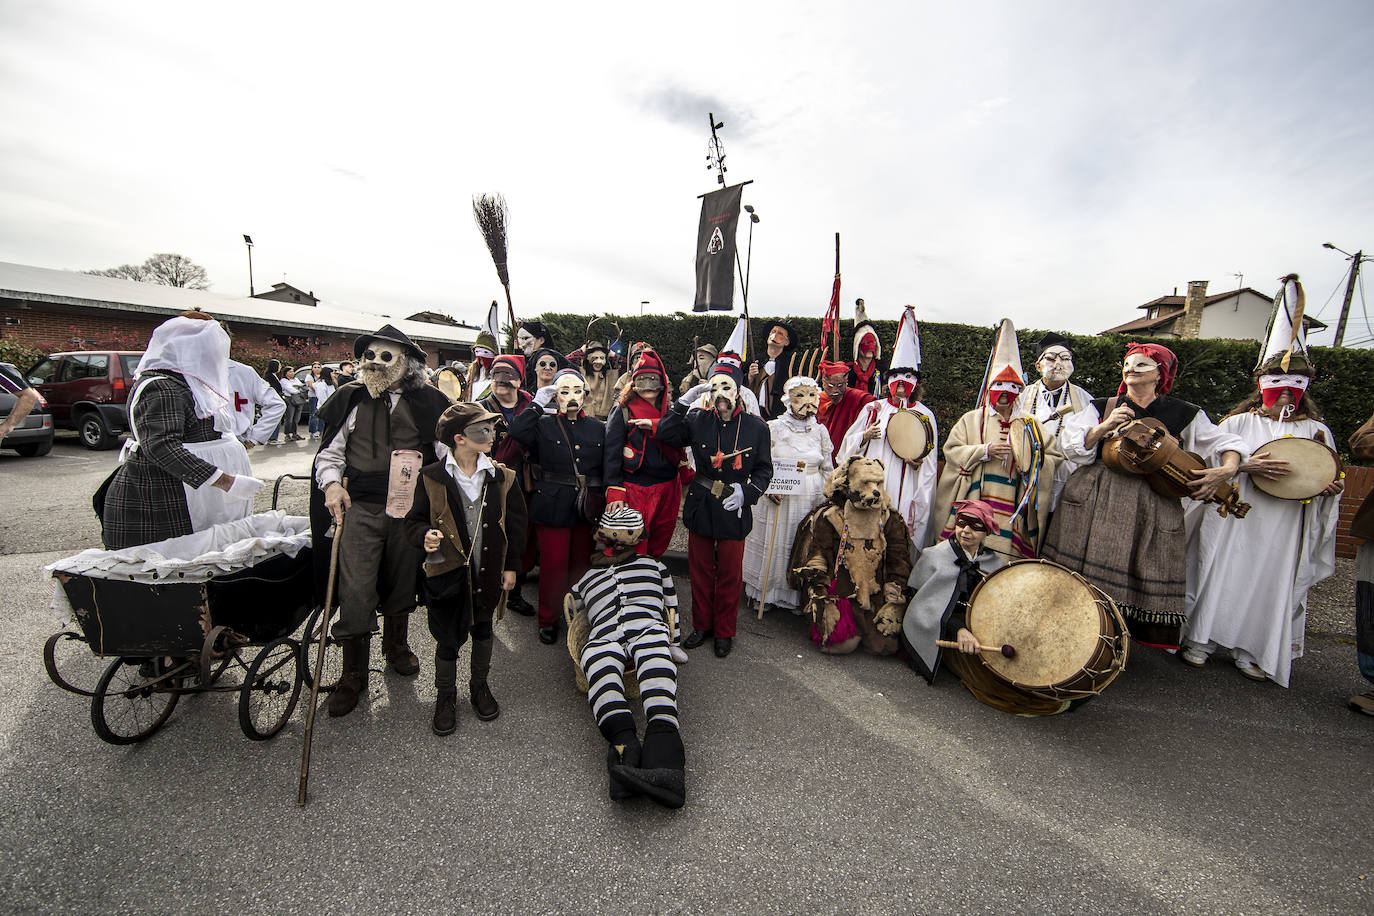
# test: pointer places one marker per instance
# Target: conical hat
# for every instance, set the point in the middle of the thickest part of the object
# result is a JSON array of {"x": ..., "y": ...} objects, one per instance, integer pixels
[
  {"x": 492, "y": 327},
  {"x": 1004, "y": 364},
  {"x": 1285, "y": 347},
  {"x": 739, "y": 340},
  {"x": 906, "y": 351}
]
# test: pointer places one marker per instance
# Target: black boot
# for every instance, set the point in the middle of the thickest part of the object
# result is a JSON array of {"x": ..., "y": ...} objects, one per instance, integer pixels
[
  {"x": 623, "y": 751},
  {"x": 353, "y": 681},
  {"x": 516, "y": 602},
  {"x": 396, "y": 645},
  {"x": 446, "y": 706},
  {"x": 480, "y": 692},
  {"x": 660, "y": 772}
]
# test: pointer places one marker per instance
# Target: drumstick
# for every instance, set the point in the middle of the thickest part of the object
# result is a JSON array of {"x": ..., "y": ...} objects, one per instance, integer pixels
[{"x": 1007, "y": 651}]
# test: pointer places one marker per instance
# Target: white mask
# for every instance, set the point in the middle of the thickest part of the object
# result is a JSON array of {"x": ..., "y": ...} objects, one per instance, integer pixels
[
  {"x": 1055, "y": 365},
  {"x": 1290, "y": 380},
  {"x": 1137, "y": 362},
  {"x": 724, "y": 394},
  {"x": 526, "y": 341},
  {"x": 383, "y": 364},
  {"x": 572, "y": 394}
]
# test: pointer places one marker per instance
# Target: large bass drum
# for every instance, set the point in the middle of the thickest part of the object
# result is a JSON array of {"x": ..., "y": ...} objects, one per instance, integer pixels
[
  {"x": 1070, "y": 638},
  {"x": 1312, "y": 467},
  {"x": 910, "y": 435}
]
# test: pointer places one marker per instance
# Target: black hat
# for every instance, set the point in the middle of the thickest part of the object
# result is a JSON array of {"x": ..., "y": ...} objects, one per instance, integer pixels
[
  {"x": 391, "y": 335},
  {"x": 1052, "y": 339},
  {"x": 537, "y": 329},
  {"x": 728, "y": 368}
]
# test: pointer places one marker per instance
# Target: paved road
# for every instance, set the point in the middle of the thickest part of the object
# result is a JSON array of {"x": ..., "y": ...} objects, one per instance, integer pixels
[{"x": 815, "y": 784}]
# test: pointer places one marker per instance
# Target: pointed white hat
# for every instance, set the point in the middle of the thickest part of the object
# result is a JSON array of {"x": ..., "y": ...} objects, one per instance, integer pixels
[
  {"x": 1004, "y": 363},
  {"x": 1285, "y": 346},
  {"x": 906, "y": 351}
]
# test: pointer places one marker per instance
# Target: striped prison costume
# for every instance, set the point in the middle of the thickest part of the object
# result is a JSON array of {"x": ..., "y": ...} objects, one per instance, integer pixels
[{"x": 627, "y": 607}]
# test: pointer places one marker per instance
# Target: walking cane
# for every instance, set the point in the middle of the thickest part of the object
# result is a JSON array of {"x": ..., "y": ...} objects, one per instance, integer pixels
[
  {"x": 319, "y": 657},
  {"x": 768, "y": 563}
]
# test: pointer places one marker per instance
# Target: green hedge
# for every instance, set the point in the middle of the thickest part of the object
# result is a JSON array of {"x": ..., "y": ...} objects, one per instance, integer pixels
[{"x": 1214, "y": 373}]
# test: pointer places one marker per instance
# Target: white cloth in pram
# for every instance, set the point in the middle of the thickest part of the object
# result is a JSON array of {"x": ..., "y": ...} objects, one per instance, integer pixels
[{"x": 197, "y": 557}]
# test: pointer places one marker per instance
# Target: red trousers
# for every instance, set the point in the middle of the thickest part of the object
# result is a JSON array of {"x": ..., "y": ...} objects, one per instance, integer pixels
[
  {"x": 659, "y": 504},
  {"x": 717, "y": 572},
  {"x": 564, "y": 555}
]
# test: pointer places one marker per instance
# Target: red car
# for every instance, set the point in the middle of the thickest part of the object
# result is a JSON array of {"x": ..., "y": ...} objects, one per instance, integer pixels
[{"x": 88, "y": 391}]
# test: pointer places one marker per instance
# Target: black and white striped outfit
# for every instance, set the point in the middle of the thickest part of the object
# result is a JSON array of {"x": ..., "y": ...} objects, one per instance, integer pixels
[{"x": 627, "y": 608}]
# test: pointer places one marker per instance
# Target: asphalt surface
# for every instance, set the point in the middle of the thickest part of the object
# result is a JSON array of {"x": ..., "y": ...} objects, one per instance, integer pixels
[{"x": 815, "y": 784}]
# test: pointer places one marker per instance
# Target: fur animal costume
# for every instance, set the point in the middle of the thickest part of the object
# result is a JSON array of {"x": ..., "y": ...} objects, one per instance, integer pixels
[{"x": 852, "y": 556}]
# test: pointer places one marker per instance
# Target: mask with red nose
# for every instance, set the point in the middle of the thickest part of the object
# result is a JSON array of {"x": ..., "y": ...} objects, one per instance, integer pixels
[{"x": 1273, "y": 386}]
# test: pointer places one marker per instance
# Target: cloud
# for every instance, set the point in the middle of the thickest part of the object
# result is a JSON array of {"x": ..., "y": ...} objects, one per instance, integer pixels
[{"x": 684, "y": 107}]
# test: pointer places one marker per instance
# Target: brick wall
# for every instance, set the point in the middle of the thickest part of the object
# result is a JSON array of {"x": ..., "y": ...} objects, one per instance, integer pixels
[
  {"x": 1358, "y": 483},
  {"x": 63, "y": 328}
]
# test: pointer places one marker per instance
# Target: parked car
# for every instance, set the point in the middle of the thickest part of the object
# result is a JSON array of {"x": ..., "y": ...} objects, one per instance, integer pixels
[
  {"x": 34, "y": 435},
  {"x": 88, "y": 391}
]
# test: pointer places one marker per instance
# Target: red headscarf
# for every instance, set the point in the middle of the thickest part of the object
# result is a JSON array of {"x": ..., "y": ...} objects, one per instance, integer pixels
[
  {"x": 977, "y": 508},
  {"x": 1168, "y": 364},
  {"x": 829, "y": 368}
]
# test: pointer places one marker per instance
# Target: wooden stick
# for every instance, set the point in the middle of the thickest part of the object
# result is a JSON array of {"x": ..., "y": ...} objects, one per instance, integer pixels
[
  {"x": 301, "y": 795},
  {"x": 768, "y": 563},
  {"x": 1007, "y": 651}
]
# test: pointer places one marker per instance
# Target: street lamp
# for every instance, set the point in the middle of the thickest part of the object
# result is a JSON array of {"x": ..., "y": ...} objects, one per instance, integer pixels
[
  {"x": 1355, "y": 260},
  {"x": 749, "y": 254},
  {"x": 248, "y": 240}
]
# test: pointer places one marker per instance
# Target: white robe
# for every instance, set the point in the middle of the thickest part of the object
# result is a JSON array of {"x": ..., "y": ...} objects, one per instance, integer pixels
[
  {"x": 1248, "y": 578},
  {"x": 792, "y": 441},
  {"x": 912, "y": 490}
]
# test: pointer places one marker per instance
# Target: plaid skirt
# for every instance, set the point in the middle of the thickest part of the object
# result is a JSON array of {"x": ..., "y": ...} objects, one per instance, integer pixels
[{"x": 1123, "y": 537}]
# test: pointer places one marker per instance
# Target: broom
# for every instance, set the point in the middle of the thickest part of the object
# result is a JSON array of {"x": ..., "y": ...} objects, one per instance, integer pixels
[{"x": 491, "y": 214}]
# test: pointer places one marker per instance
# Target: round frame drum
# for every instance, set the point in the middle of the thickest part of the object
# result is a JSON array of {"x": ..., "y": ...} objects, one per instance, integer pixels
[
  {"x": 1069, "y": 637},
  {"x": 1312, "y": 467},
  {"x": 910, "y": 435},
  {"x": 1022, "y": 435}
]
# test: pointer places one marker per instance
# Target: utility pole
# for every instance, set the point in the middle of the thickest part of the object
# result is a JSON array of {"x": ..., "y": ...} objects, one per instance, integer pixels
[
  {"x": 248, "y": 240},
  {"x": 1355, "y": 261}
]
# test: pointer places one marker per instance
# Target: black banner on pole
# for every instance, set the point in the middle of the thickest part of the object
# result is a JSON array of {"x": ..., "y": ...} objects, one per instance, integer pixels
[{"x": 716, "y": 250}]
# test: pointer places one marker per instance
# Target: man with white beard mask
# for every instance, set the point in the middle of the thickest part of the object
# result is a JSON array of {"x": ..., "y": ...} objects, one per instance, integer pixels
[
  {"x": 1050, "y": 399},
  {"x": 731, "y": 449},
  {"x": 374, "y": 428}
]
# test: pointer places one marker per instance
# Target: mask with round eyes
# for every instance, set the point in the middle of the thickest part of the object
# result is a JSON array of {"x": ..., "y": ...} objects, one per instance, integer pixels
[
  {"x": 480, "y": 433},
  {"x": 527, "y": 342},
  {"x": 597, "y": 361},
  {"x": 382, "y": 366},
  {"x": 1055, "y": 365},
  {"x": 572, "y": 394},
  {"x": 1137, "y": 363},
  {"x": 1273, "y": 385},
  {"x": 804, "y": 401},
  {"x": 724, "y": 395},
  {"x": 647, "y": 383},
  {"x": 900, "y": 386}
]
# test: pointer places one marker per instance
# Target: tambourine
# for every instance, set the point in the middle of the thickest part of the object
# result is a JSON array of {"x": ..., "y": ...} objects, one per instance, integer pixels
[
  {"x": 910, "y": 435},
  {"x": 1312, "y": 467}
]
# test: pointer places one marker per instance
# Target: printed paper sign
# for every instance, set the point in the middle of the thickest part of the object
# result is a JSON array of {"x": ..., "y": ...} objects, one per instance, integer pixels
[
  {"x": 787, "y": 478},
  {"x": 400, "y": 487}
]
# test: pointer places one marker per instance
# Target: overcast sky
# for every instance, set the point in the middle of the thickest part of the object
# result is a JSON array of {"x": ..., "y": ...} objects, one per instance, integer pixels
[{"x": 1057, "y": 163}]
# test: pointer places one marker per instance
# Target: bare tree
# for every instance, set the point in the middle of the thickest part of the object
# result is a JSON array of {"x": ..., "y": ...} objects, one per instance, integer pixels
[
  {"x": 122, "y": 272},
  {"x": 164, "y": 269}
]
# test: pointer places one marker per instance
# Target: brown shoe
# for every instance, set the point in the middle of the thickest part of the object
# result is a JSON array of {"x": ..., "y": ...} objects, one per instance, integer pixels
[
  {"x": 446, "y": 713},
  {"x": 484, "y": 703},
  {"x": 396, "y": 645},
  {"x": 1363, "y": 702},
  {"x": 353, "y": 681}
]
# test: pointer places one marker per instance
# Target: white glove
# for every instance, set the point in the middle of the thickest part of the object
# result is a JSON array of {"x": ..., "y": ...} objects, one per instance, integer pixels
[
  {"x": 544, "y": 396},
  {"x": 696, "y": 391},
  {"x": 245, "y": 487},
  {"x": 735, "y": 501}
]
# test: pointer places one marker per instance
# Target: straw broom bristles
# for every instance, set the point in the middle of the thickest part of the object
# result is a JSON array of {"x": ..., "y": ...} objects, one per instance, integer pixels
[{"x": 491, "y": 214}]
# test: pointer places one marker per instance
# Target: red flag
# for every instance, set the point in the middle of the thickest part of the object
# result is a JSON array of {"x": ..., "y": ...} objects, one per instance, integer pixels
[{"x": 830, "y": 324}]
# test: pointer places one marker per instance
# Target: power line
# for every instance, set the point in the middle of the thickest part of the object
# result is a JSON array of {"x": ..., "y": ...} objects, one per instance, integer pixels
[{"x": 1330, "y": 297}]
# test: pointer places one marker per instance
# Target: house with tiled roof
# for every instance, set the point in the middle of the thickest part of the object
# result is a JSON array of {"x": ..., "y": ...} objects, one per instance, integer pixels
[{"x": 1241, "y": 314}]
